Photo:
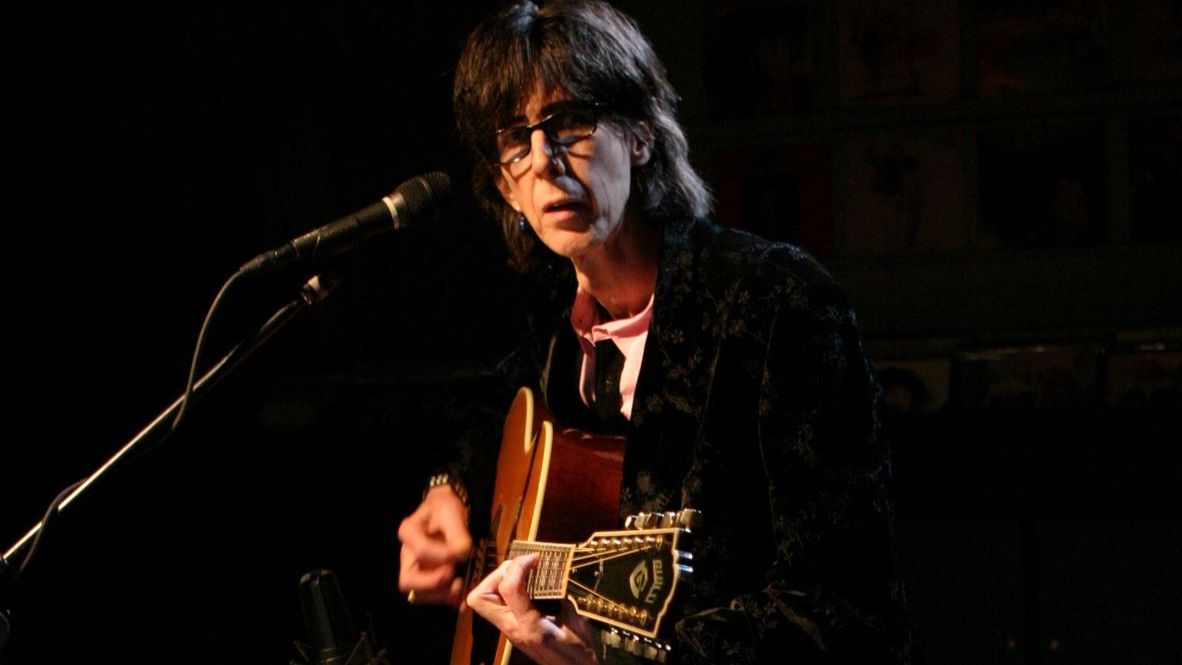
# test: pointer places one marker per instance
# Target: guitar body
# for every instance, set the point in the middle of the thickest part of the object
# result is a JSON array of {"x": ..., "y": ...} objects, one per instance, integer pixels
[{"x": 552, "y": 484}]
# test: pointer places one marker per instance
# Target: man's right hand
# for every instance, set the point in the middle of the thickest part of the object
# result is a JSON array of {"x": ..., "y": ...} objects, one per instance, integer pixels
[{"x": 435, "y": 540}]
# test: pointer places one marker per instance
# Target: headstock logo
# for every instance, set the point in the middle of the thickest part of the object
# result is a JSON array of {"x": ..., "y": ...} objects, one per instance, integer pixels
[{"x": 638, "y": 580}]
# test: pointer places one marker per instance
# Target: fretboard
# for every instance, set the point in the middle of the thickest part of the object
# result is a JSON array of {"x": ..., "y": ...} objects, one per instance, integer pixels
[{"x": 548, "y": 580}]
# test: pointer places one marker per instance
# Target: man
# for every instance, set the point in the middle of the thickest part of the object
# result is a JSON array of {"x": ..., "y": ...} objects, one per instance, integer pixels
[{"x": 733, "y": 365}]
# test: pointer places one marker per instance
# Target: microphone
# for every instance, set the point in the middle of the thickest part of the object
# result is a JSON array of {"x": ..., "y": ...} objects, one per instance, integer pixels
[
  {"x": 412, "y": 203},
  {"x": 334, "y": 640}
]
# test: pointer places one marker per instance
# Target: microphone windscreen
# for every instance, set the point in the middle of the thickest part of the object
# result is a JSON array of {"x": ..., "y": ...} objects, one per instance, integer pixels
[{"x": 423, "y": 196}]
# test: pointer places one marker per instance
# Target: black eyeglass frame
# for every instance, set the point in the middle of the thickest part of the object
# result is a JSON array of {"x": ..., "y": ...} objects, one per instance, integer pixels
[{"x": 595, "y": 109}]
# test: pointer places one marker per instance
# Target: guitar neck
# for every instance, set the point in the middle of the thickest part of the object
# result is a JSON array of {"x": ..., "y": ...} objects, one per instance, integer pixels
[
  {"x": 548, "y": 580},
  {"x": 622, "y": 579}
]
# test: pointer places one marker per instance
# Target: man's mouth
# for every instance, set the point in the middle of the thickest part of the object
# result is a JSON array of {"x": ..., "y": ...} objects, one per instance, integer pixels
[{"x": 564, "y": 205}]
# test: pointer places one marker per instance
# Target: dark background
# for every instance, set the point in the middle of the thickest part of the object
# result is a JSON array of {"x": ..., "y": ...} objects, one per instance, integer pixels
[{"x": 152, "y": 150}]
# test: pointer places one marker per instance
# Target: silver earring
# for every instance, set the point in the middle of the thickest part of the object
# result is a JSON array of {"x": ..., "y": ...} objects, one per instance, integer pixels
[{"x": 522, "y": 224}]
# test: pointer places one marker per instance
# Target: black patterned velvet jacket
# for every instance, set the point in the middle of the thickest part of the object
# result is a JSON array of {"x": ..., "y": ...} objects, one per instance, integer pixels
[{"x": 757, "y": 406}]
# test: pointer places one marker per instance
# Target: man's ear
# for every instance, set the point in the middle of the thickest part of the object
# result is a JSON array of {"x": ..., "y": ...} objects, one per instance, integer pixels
[{"x": 642, "y": 144}]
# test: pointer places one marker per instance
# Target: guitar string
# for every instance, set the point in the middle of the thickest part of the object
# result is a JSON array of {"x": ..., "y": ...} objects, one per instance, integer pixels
[
  {"x": 554, "y": 564},
  {"x": 586, "y": 552},
  {"x": 518, "y": 547},
  {"x": 535, "y": 576},
  {"x": 594, "y": 558},
  {"x": 555, "y": 582},
  {"x": 553, "y": 561},
  {"x": 548, "y": 575},
  {"x": 592, "y": 592},
  {"x": 591, "y": 557}
]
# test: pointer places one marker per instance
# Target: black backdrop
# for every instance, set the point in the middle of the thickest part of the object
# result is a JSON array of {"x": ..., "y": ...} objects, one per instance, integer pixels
[{"x": 151, "y": 150}]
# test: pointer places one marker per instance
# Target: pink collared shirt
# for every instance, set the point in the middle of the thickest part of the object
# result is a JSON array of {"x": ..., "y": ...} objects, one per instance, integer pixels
[{"x": 629, "y": 336}]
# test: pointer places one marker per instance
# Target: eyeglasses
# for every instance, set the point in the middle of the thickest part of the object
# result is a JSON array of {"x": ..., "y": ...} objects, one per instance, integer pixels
[{"x": 565, "y": 126}]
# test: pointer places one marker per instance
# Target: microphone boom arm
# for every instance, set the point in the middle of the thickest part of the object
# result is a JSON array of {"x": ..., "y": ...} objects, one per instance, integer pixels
[{"x": 313, "y": 292}]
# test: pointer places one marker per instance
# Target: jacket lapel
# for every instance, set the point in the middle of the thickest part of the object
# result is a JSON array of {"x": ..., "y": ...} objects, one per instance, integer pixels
[{"x": 673, "y": 388}]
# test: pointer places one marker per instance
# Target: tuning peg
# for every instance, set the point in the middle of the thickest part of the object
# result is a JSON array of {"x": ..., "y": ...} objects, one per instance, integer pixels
[
  {"x": 686, "y": 518},
  {"x": 643, "y": 520},
  {"x": 685, "y": 568},
  {"x": 645, "y": 648},
  {"x": 689, "y": 518},
  {"x": 654, "y": 650}
]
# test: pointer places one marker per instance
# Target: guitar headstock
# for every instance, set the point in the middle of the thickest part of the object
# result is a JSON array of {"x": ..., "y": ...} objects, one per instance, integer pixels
[{"x": 627, "y": 579}]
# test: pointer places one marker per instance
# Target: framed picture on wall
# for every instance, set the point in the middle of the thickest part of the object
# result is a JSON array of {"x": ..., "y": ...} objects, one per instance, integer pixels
[
  {"x": 901, "y": 193},
  {"x": 1155, "y": 166},
  {"x": 1155, "y": 49},
  {"x": 1029, "y": 377},
  {"x": 778, "y": 192},
  {"x": 1146, "y": 375},
  {"x": 1043, "y": 184},
  {"x": 765, "y": 58},
  {"x": 1028, "y": 46},
  {"x": 898, "y": 51}
]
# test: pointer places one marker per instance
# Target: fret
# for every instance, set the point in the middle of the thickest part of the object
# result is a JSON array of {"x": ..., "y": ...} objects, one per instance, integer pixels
[{"x": 547, "y": 581}]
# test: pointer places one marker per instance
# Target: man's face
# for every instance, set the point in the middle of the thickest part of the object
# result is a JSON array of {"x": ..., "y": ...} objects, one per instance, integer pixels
[{"x": 574, "y": 196}]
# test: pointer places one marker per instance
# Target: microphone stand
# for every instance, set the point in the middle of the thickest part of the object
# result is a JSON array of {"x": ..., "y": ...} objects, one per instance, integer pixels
[{"x": 313, "y": 292}]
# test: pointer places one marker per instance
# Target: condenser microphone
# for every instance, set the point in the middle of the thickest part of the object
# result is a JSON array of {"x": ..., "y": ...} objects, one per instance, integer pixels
[
  {"x": 332, "y": 638},
  {"x": 415, "y": 201}
]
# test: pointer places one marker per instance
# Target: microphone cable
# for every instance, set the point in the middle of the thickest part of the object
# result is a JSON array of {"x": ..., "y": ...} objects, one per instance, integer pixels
[{"x": 191, "y": 381}]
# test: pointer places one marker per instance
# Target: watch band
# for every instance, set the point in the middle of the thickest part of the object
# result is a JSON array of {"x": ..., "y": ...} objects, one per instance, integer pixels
[{"x": 444, "y": 478}]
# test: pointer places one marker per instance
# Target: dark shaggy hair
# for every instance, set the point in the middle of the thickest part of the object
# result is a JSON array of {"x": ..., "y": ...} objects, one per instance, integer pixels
[{"x": 590, "y": 51}]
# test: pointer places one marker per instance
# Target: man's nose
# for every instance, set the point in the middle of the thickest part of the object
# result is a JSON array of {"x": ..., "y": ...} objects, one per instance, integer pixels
[{"x": 546, "y": 155}]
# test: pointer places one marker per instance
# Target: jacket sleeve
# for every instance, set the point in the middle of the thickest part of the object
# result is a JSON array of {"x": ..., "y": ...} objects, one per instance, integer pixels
[
  {"x": 474, "y": 414},
  {"x": 830, "y": 594}
]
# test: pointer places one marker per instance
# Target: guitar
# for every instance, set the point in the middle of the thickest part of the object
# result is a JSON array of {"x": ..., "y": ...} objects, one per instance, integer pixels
[{"x": 549, "y": 483}]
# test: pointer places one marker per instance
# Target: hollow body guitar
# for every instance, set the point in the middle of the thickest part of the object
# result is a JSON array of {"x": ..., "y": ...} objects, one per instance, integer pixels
[{"x": 557, "y": 484}]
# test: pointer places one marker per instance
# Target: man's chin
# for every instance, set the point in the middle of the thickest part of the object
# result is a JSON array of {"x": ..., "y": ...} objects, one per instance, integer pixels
[{"x": 569, "y": 244}]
